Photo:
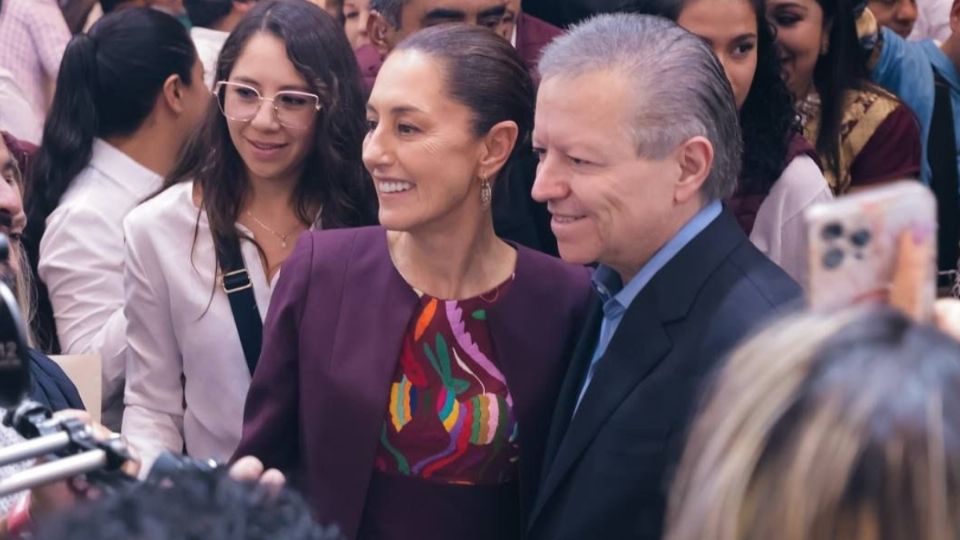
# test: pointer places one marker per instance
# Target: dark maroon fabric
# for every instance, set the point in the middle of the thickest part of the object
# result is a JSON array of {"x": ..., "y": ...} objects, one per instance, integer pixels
[
  {"x": 332, "y": 337},
  {"x": 892, "y": 153},
  {"x": 450, "y": 416},
  {"x": 369, "y": 59},
  {"x": 533, "y": 35},
  {"x": 22, "y": 151},
  {"x": 744, "y": 206},
  {"x": 402, "y": 508}
]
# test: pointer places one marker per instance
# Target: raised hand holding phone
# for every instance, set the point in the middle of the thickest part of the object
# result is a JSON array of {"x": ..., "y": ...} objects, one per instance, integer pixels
[{"x": 878, "y": 245}]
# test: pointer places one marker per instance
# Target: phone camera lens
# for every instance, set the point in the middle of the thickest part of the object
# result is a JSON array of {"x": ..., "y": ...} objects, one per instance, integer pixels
[
  {"x": 833, "y": 258},
  {"x": 832, "y": 231},
  {"x": 861, "y": 237}
]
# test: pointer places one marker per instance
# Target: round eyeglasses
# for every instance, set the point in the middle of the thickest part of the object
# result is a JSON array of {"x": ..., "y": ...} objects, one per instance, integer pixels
[{"x": 241, "y": 102}]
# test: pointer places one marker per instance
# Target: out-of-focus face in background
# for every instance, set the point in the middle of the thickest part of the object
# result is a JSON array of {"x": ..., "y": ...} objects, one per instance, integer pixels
[
  {"x": 509, "y": 23},
  {"x": 897, "y": 15},
  {"x": 419, "y": 14},
  {"x": 12, "y": 217},
  {"x": 356, "y": 13}
]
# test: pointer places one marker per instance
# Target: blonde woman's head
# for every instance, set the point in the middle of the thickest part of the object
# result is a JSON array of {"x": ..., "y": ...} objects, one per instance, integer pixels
[{"x": 827, "y": 426}]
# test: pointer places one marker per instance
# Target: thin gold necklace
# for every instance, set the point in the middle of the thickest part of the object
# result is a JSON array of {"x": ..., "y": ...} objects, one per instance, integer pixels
[{"x": 282, "y": 237}]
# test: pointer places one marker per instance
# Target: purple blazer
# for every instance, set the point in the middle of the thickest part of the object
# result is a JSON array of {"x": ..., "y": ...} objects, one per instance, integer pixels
[{"x": 332, "y": 340}]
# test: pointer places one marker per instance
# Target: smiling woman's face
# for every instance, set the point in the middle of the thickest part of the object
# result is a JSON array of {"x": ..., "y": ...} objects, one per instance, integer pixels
[
  {"x": 802, "y": 34},
  {"x": 270, "y": 151},
  {"x": 421, "y": 149},
  {"x": 730, "y": 27}
]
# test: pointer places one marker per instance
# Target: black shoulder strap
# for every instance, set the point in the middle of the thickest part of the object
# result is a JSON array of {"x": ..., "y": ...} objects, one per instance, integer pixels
[
  {"x": 236, "y": 283},
  {"x": 942, "y": 156}
]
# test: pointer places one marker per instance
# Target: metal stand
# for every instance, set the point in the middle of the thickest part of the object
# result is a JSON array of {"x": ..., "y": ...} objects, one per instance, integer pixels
[{"x": 76, "y": 449}]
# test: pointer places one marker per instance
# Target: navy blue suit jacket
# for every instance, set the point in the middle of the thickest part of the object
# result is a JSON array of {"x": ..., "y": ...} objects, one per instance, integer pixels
[{"x": 606, "y": 468}]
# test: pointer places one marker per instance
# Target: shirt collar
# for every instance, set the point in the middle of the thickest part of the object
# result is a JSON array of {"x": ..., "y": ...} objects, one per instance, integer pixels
[
  {"x": 123, "y": 170},
  {"x": 209, "y": 35},
  {"x": 608, "y": 283}
]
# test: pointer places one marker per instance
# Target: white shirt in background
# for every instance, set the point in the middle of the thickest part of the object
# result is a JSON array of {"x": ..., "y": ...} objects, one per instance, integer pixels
[
  {"x": 180, "y": 325},
  {"x": 17, "y": 116},
  {"x": 208, "y": 43},
  {"x": 81, "y": 263},
  {"x": 933, "y": 20},
  {"x": 778, "y": 230}
]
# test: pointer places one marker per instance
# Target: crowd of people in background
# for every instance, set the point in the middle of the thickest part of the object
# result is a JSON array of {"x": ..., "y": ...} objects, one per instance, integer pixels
[{"x": 482, "y": 269}]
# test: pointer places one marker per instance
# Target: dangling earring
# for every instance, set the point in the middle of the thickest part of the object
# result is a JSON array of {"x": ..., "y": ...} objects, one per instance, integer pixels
[
  {"x": 486, "y": 192},
  {"x": 825, "y": 45}
]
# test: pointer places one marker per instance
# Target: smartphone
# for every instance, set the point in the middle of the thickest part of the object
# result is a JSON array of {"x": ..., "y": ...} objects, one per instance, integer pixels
[{"x": 853, "y": 244}]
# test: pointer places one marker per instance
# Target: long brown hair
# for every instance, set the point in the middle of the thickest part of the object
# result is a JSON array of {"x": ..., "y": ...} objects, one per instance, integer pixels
[
  {"x": 841, "y": 426},
  {"x": 333, "y": 179}
]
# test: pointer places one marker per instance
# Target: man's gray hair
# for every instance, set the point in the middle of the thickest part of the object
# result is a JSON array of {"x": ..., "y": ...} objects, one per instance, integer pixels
[
  {"x": 680, "y": 88},
  {"x": 389, "y": 9}
]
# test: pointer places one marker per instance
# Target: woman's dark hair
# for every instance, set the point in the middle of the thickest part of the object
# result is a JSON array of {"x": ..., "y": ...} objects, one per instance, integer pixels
[
  {"x": 333, "y": 178},
  {"x": 767, "y": 118},
  {"x": 842, "y": 69},
  {"x": 108, "y": 85},
  {"x": 485, "y": 73}
]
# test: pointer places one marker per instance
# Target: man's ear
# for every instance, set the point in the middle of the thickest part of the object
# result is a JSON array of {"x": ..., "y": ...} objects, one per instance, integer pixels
[
  {"x": 382, "y": 34},
  {"x": 695, "y": 159},
  {"x": 498, "y": 146}
]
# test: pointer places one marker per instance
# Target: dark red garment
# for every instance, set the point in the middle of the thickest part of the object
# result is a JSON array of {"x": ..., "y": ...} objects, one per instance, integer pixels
[
  {"x": 450, "y": 418},
  {"x": 744, "y": 206},
  {"x": 449, "y": 445},
  {"x": 337, "y": 320},
  {"x": 369, "y": 59},
  {"x": 403, "y": 508},
  {"x": 533, "y": 35},
  {"x": 892, "y": 153},
  {"x": 22, "y": 151}
]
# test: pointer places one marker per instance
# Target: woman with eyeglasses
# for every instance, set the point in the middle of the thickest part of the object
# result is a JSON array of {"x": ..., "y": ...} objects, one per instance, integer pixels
[
  {"x": 128, "y": 94},
  {"x": 277, "y": 155}
]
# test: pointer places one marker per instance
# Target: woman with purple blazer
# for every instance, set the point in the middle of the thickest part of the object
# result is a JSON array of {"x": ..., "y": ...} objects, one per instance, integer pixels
[{"x": 409, "y": 371}]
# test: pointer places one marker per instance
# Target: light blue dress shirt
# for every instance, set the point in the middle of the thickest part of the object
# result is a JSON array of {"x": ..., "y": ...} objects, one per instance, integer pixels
[{"x": 617, "y": 298}]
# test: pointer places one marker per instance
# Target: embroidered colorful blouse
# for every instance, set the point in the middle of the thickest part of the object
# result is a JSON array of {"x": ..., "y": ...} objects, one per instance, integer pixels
[{"x": 450, "y": 415}]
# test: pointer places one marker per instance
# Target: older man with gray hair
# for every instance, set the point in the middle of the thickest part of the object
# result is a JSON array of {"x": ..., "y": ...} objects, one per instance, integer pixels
[{"x": 636, "y": 129}]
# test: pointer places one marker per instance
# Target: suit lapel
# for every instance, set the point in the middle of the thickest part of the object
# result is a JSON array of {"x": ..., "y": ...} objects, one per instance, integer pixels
[
  {"x": 628, "y": 359},
  {"x": 639, "y": 344},
  {"x": 570, "y": 390}
]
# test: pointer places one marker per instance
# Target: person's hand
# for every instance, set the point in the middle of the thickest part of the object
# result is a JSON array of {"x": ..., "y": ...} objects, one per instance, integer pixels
[
  {"x": 913, "y": 286},
  {"x": 916, "y": 263},
  {"x": 251, "y": 469}
]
